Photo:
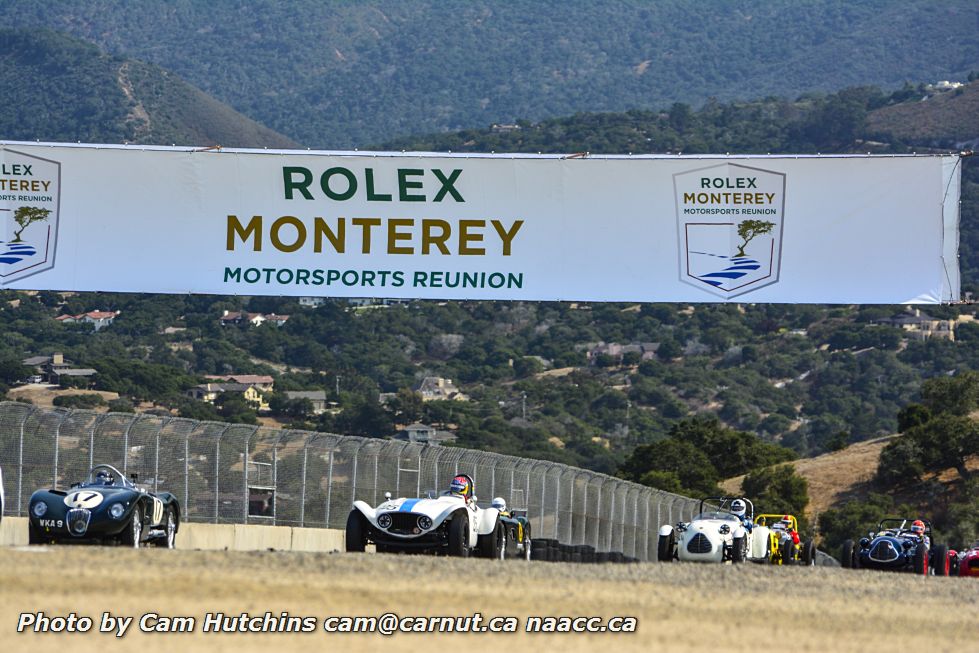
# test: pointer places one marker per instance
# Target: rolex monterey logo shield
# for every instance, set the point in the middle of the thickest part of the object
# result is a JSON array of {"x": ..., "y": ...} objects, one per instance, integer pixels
[
  {"x": 729, "y": 220},
  {"x": 29, "y": 202}
]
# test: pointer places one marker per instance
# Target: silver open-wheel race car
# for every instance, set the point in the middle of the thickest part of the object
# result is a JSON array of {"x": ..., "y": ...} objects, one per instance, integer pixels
[
  {"x": 104, "y": 508},
  {"x": 719, "y": 532},
  {"x": 450, "y": 523}
]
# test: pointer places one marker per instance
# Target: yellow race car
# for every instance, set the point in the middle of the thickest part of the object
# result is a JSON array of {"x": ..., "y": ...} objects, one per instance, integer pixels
[{"x": 785, "y": 545}]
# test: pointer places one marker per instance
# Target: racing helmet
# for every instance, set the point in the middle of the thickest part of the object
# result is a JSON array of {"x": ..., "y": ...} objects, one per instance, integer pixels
[
  {"x": 460, "y": 485},
  {"x": 786, "y": 521},
  {"x": 499, "y": 503},
  {"x": 738, "y": 508},
  {"x": 918, "y": 527},
  {"x": 103, "y": 477}
]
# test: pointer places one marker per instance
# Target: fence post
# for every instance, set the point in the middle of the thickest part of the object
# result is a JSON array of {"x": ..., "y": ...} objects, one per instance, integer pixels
[
  {"x": 20, "y": 461},
  {"x": 275, "y": 474},
  {"x": 125, "y": 445},
  {"x": 598, "y": 526},
  {"x": 645, "y": 529},
  {"x": 217, "y": 473},
  {"x": 329, "y": 488},
  {"x": 302, "y": 492},
  {"x": 187, "y": 473},
  {"x": 156, "y": 463},
  {"x": 611, "y": 521},
  {"x": 57, "y": 446}
]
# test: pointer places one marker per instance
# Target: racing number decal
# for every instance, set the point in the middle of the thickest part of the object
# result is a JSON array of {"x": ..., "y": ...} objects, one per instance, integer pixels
[
  {"x": 157, "y": 511},
  {"x": 84, "y": 499}
]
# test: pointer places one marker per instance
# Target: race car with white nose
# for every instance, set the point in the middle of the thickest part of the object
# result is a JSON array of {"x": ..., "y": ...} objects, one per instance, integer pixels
[
  {"x": 721, "y": 531},
  {"x": 104, "y": 508},
  {"x": 451, "y": 523}
]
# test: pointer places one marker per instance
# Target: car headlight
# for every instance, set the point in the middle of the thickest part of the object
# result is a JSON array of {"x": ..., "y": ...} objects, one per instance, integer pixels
[
  {"x": 725, "y": 529},
  {"x": 117, "y": 510},
  {"x": 39, "y": 509},
  {"x": 424, "y": 522},
  {"x": 384, "y": 521}
]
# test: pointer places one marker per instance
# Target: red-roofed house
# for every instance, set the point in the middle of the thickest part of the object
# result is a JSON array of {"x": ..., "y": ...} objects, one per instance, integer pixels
[{"x": 98, "y": 319}]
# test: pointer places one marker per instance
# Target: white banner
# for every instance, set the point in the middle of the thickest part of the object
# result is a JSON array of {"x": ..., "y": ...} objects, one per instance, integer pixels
[{"x": 790, "y": 229}]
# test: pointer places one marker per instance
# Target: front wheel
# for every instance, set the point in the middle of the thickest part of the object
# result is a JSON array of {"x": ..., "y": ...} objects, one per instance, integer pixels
[
  {"x": 34, "y": 534},
  {"x": 133, "y": 535},
  {"x": 169, "y": 539},
  {"x": 526, "y": 542},
  {"x": 809, "y": 553},
  {"x": 737, "y": 550},
  {"x": 921, "y": 560},
  {"x": 940, "y": 559},
  {"x": 459, "y": 536},
  {"x": 664, "y": 550},
  {"x": 493, "y": 544},
  {"x": 356, "y": 532}
]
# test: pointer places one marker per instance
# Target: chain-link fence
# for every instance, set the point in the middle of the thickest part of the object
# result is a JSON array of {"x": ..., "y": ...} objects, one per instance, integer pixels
[{"x": 236, "y": 473}]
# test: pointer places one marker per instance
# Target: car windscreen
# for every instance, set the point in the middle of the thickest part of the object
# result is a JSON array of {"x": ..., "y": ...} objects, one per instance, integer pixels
[{"x": 723, "y": 516}]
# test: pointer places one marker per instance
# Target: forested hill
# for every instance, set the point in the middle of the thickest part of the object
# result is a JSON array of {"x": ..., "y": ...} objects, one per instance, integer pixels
[
  {"x": 915, "y": 118},
  {"x": 58, "y": 88},
  {"x": 339, "y": 74}
]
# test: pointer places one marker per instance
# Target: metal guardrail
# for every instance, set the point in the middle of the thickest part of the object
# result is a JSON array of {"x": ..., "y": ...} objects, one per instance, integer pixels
[{"x": 236, "y": 473}]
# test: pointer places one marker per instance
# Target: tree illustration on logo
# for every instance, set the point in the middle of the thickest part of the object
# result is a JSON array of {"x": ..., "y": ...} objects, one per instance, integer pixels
[
  {"x": 749, "y": 229},
  {"x": 28, "y": 215}
]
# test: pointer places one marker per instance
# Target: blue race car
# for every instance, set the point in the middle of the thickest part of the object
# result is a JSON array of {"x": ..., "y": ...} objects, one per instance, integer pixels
[
  {"x": 104, "y": 508},
  {"x": 898, "y": 544}
]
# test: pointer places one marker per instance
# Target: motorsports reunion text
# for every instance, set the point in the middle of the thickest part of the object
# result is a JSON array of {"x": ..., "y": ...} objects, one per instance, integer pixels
[{"x": 389, "y": 623}]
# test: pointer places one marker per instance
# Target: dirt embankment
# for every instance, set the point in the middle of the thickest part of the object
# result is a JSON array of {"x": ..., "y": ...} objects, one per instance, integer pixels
[
  {"x": 832, "y": 477},
  {"x": 678, "y": 607}
]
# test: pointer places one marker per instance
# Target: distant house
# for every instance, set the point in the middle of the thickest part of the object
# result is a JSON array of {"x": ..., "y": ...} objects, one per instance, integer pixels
[
  {"x": 252, "y": 319},
  {"x": 311, "y": 302},
  {"x": 263, "y": 382},
  {"x": 920, "y": 326},
  {"x": 277, "y": 320},
  {"x": 435, "y": 388},
  {"x": 98, "y": 319},
  {"x": 316, "y": 397},
  {"x": 646, "y": 350},
  {"x": 55, "y": 368},
  {"x": 424, "y": 434},
  {"x": 209, "y": 392}
]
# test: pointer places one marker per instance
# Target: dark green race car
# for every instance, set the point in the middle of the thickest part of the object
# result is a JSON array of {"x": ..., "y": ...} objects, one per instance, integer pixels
[
  {"x": 104, "y": 508},
  {"x": 517, "y": 529}
]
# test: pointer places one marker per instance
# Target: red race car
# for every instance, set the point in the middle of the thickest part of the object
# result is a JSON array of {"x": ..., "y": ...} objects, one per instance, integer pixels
[{"x": 968, "y": 562}]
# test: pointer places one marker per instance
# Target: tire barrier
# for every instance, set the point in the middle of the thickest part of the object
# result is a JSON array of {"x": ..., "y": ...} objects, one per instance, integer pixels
[{"x": 550, "y": 550}]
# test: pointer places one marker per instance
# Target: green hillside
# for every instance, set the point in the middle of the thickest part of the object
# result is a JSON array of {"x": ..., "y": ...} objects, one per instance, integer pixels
[
  {"x": 339, "y": 74},
  {"x": 61, "y": 89}
]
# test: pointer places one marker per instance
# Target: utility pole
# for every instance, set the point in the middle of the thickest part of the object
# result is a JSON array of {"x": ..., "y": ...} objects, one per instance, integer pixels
[
  {"x": 338, "y": 387},
  {"x": 523, "y": 402}
]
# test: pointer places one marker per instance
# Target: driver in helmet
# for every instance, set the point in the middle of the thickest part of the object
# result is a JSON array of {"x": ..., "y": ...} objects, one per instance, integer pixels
[
  {"x": 918, "y": 530},
  {"x": 740, "y": 510},
  {"x": 102, "y": 477},
  {"x": 461, "y": 486},
  {"x": 786, "y": 522},
  {"x": 500, "y": 504}
]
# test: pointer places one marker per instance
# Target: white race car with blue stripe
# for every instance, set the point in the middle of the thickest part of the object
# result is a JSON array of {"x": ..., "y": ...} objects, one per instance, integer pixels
[{"x": 447, "y": 524}]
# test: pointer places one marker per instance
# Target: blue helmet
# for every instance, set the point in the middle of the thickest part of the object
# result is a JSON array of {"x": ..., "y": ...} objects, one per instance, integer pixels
[{"x": 461, "y": 485}]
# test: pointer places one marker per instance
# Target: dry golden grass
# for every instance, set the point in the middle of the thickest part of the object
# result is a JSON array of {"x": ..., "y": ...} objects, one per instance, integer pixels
[
  {"x": 43, "y": 396},
  {"x": 679, "y": 607},
  {"x": 832, "y": 477}
]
